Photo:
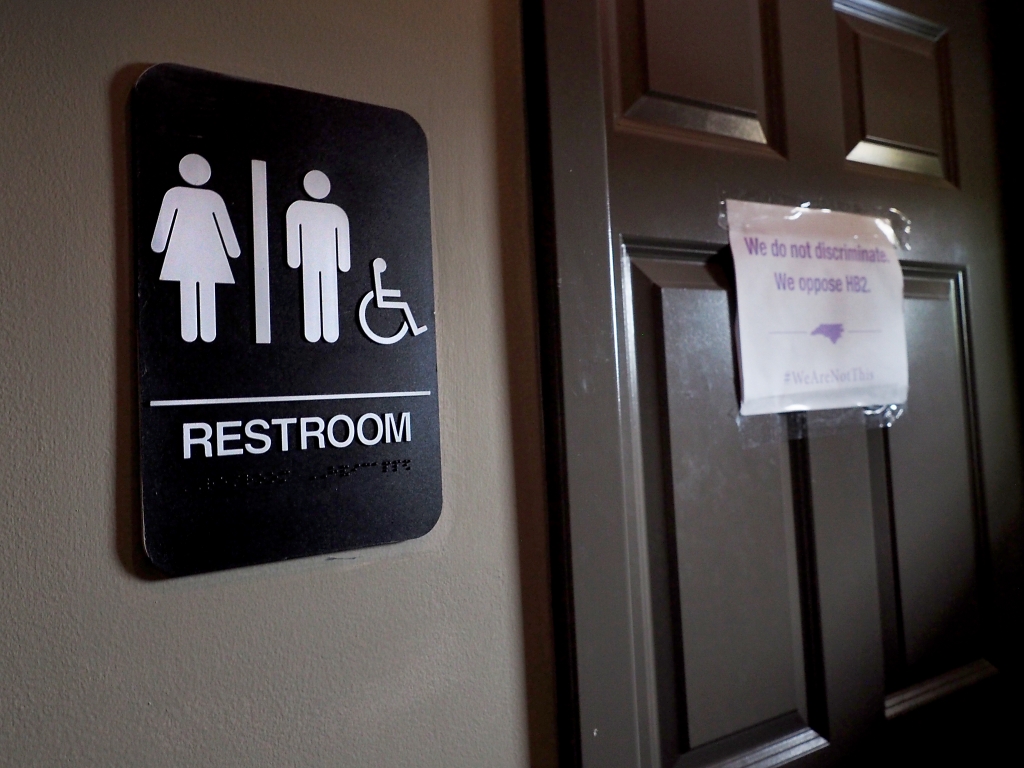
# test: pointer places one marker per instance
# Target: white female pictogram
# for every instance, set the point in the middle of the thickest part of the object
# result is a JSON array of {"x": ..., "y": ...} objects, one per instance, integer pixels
[
  {"x": 318, "y": 240},
  {"x": 194, "y": 226}
]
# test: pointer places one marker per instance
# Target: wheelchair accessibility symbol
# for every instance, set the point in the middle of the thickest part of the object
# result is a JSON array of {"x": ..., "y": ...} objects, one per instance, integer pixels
[{"x": 384, "y": 298}]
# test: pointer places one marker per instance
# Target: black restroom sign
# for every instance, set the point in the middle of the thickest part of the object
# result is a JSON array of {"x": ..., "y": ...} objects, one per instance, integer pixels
[{"x": 285, "y": 307}]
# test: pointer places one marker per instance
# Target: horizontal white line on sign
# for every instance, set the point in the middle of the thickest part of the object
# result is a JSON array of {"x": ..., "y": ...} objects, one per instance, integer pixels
[{"x": 283, "y": 398}]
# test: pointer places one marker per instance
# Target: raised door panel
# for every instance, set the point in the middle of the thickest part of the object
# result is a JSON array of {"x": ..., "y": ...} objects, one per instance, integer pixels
[
  {"x": 933, "y": 498},
  {"x": 737, "y": 660},
  {"x": 897, "y": 96},
  {"x": 685, "y": 62},
  {"x": 930, "y": 525},
  {"x": 730, "y": 509},
  {"x": 901, "y": 96},
  {"x": 687, "y": 68}
]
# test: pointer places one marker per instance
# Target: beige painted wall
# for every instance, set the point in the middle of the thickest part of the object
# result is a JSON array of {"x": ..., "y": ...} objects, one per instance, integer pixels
[{"x": 435, "y": 654}]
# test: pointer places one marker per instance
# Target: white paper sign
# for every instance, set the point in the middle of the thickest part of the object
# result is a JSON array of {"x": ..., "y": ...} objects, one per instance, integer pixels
[{"x": 819, "y": 298}]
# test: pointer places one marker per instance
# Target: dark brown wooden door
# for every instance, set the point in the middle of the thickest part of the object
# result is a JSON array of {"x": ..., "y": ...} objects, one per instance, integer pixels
[{"x": 773, "y": 589}]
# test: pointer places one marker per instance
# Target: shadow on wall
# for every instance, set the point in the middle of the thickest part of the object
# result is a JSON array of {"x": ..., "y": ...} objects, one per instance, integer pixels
[
  {"x": 522, "y": 345},
  {"x": 128, "y": 524}
]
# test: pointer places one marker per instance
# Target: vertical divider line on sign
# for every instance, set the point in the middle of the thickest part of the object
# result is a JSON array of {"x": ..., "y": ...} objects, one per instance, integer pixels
[{"x": 261, "y": 251}]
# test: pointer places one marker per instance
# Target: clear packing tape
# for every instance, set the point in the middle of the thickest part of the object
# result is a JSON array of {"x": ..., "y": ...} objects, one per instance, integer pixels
[
  {"x": 896, "y": 222},
  {"x": 797, "y": 423},
  {"x": 774, "y": 428}
]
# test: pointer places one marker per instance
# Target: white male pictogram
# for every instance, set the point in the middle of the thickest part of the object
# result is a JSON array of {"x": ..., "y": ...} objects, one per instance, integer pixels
[
  {"x": 318, "y": 240},
  {"x": 194, "y": 226}
]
